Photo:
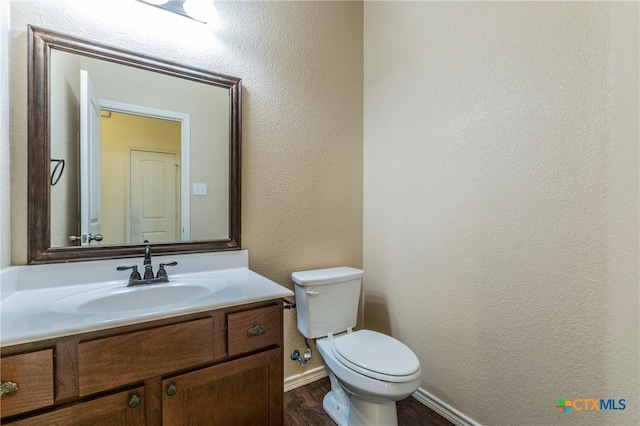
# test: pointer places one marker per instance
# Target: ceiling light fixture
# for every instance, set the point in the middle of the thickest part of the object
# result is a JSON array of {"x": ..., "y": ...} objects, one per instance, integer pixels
[
  {"x": 155, "y": 2},
  {"x": 198, "y": 10}
]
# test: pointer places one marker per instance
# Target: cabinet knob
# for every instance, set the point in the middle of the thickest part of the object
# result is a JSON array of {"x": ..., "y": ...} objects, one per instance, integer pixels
[
  {"x": 8, "y": 388},
  {"x": 172, "y": 390},
  {"x": 134, "y": 401},
  {"x": 256, "y": 330}
]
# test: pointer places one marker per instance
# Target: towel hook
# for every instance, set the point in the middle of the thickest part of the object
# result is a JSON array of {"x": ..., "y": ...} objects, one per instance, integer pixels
[{"x": 54, "y": 178}]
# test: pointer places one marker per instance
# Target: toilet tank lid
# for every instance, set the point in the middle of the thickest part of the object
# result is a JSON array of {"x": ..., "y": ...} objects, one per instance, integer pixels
[{"x": 326, "y": 276}]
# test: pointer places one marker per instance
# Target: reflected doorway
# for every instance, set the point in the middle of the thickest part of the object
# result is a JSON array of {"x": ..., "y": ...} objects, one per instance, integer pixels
[{"x": 142, "y": 176}]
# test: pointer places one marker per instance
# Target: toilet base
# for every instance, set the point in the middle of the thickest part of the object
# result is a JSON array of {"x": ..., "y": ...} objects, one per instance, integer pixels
[
  {"x": 360, "y": 413},
  {"x": 367, "y": 413},
  {"x": 348, "y": 409},
  {"x": 336, "y": 402},
  {"x": 338, "y": 413}
]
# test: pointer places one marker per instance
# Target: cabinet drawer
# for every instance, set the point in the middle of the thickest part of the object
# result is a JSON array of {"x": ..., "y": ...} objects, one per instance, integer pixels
[
  {"x": 254, "y": 329},
  {"x": 33, "y": 374},
  {"x": 123, "y": 408},
  {"x": 124, "y": 359}
]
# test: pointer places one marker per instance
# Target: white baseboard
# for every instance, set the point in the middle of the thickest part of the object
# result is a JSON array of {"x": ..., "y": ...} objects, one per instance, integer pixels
[
  {"x": 293, "y": 382},
  {"x": 444, "y": 409}
]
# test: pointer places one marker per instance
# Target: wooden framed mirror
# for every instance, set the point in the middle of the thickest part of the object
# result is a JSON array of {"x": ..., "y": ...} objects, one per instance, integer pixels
[{"x": 204, "y": 193}]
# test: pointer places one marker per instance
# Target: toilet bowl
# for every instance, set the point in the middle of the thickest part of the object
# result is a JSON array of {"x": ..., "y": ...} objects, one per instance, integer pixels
[{"x": 369, "y": 371}]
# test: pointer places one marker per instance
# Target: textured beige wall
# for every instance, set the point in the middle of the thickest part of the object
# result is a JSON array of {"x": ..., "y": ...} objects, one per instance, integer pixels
[
  {"x": 302, "y": 141},
  {"x": 501, "y": 201},
  {"x": 301, "y": 65}
]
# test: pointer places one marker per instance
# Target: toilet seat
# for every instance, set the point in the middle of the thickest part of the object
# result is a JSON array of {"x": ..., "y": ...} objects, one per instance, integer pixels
[{"x": 377, "y": 355}]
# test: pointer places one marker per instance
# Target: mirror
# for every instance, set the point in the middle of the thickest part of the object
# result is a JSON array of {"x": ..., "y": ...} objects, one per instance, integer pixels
[{"x": 165, "y": 167}]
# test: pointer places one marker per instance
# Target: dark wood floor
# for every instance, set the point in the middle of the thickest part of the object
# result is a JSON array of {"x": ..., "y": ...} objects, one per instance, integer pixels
[{"x": 303, "y": 407}]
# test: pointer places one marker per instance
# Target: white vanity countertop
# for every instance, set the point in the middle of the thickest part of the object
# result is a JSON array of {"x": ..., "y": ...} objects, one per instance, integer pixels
[{"x": 32, "y": 310}]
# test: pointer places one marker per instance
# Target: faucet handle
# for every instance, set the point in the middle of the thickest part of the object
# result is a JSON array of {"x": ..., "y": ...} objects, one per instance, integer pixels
[
  {"x": 135, "y": 275},
  {"x": 161, "y": 271},
  {"x": 124, "y": 268}
]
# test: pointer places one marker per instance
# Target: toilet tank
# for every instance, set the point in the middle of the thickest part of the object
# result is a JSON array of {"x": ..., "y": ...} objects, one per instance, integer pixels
[{"x": 327, "y": 300}]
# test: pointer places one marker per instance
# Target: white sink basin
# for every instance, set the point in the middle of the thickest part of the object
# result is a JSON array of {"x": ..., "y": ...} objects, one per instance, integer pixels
[{"x": 119, "y": 298}]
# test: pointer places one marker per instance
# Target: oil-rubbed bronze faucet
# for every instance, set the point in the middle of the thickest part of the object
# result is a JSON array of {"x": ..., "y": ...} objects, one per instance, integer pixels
[
  {"x": 136, "y": 279},
  {"x": 148, "y": 269}
]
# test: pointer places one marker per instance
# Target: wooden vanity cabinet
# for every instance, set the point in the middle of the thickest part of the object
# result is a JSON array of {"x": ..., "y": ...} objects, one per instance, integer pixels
[{"x": 221, "y": 367}]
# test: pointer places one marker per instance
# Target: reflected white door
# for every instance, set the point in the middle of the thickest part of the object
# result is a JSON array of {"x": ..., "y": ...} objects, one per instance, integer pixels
[
  {"x": 153, "y": 197},
  {"x": 90, "y": 182}
]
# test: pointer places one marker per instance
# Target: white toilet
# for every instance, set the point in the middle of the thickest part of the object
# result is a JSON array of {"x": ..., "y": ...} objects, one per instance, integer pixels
[{"x": 369, "y": 371}]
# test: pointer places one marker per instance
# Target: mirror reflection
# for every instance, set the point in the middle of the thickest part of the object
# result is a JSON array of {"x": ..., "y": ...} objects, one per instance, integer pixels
[
  {"x": 125, "y": 148},
  {"x": 147, "y": 155}
]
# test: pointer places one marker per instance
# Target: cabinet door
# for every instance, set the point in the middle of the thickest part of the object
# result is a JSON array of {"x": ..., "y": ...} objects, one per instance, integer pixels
[
  {"x": 32, "y": 374},
  {"x": 246, "y": 391},
  {"x": 120, "y": 409}
]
